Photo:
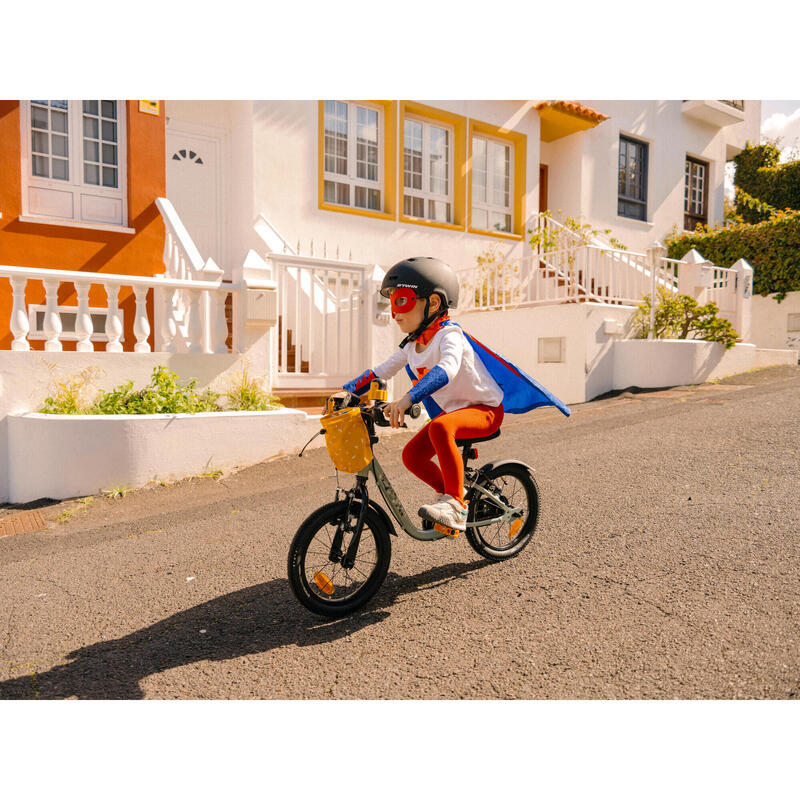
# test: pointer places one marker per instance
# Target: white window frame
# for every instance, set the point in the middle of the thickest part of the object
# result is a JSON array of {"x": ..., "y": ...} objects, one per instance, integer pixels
[
  {"x": 351, "y": 178},
  {"x": 427, "y": 195},
  {"x": 37, "y": 332},
  {"x": 487, "y": 206},
  {"x": 75, "y": 185}
]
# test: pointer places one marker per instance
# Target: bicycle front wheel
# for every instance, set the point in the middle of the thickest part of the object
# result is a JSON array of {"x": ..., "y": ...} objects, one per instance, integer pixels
[
  {"x": 514, "y": 484},
  {"x": 321, "y": 583}
]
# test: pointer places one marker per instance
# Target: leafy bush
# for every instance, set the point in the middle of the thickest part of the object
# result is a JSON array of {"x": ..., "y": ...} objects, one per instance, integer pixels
[
  {"x": 72, "y": 393},
  {"x": 680, "y": 317},
  {"x": 248, "y": 394},
  {"x": 771, "y": 248},
  {"x": 760, "y": 178},
  {"x": 163, "y": 395}
]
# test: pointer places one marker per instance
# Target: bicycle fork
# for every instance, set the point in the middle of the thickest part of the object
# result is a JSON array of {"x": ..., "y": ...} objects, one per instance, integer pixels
[{"x": 348, "y": 559}]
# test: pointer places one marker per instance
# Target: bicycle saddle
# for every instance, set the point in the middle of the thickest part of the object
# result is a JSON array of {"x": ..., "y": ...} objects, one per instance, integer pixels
[{"x": 470, "y": 442}]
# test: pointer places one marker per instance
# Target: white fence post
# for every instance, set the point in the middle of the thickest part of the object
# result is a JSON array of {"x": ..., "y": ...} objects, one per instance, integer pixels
[
  {"x": 744, "y": 294},
  {"x": 255, "y": 313}
]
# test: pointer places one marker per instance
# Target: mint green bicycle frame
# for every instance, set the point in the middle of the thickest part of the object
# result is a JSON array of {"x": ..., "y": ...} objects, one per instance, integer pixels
[{"x": 398, "y": 511}]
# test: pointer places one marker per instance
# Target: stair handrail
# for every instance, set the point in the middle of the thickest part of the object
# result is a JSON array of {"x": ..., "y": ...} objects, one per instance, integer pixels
[{"x": 180, "y": 251}]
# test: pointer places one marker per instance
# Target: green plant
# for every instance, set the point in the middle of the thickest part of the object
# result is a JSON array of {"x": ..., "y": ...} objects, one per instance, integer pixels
[
  {"x": 772, "y": 249},
  {"x": 248, "y": 394},
  {"x": 163, "y": 395},
  {"x": 116, "y": 491},
  {"x": 680, "y": 317},
  {"x": 493, "y": 279},
  {"x": 71, "y": 394},
  {"x": 764, "y": 185}
]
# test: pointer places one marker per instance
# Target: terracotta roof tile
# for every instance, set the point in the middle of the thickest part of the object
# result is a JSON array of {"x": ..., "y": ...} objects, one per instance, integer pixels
[{"x": 573, "y": 108}]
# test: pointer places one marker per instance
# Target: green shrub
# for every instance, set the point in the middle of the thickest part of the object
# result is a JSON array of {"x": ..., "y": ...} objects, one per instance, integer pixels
[
  {"x": 771, "y": 248},
  {"x": 760, "y": 178},
  {"x": 71, "y": 396},
  {"x": 163, "y": 395},
  {"x": 680, "y": 317},
  {"x": 248, "y": 394}
]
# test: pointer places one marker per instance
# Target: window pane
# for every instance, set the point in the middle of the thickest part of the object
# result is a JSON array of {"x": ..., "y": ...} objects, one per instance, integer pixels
[
  {"x": 91, "y": 174},
  {"x": 109, "y": 131},
  {"x": 58, "y": 120},
  {"x": 479, "y": 170},
  {"x": 337, "y": 193},
  {"x": 90, "y": 107},
  {"x": 60, "y": 169},
  {"x": 39, "y": 118},
  {"x": 110, "y": 176},
  {"x": 91, "y": 151},
  {"x": 59, "y": 145},
  {"x": 438, "y": 163},
  {"x": 109, "y": 108},
  {"x": 41, "y": 166},
  {"x": 109, "y": 154},
  {"x": 501, "y": 222},
  {"x": 480, "y": 218},
  {"x": 366, "y": 143},
  {"x": 90, "y": 128},
  {"x": 413, "y": 206},
  {"x": 412, "y": 154},
  {"x": 367, "y": 198},
  {"x": 40, "y": 143},
  {"x": 59, "y": 103},
  {"x": 438, "y": 211},
  {"x": 336, "y": 137}
]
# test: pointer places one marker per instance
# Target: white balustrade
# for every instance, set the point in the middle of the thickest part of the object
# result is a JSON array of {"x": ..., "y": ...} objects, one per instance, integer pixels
[
  {"x": 52, "y": 319},
  {"x": 84, "y": 327},
  {"x": 113, "y": 320},
  {"x": 141, "y": 325},
  {"x": 19, "y": 324},
  {"x": 52, "y": 327}
]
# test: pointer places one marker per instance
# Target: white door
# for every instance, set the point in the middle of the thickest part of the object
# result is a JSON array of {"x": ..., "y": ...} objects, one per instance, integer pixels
[{"x": 193, "y": 187}]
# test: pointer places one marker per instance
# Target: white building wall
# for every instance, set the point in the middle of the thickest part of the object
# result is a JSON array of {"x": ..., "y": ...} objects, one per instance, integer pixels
[
  {"x": 285, "y": 148},
  {"x": 771, "y": 322},
  {"x": 671, "y": 135}
]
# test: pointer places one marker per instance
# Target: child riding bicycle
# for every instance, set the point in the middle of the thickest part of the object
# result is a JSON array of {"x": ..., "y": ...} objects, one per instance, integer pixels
[{"x": 465, "y": 387}]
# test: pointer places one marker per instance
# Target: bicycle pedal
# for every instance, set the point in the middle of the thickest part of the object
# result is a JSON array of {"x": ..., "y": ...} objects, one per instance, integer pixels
[{"x": 451, "y": 532}]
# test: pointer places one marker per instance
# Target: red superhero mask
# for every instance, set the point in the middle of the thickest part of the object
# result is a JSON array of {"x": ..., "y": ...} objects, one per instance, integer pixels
[{"x": 403, "y": 301}]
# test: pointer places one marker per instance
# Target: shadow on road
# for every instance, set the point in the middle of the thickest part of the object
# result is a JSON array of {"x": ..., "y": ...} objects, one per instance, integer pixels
[{"x": 252, "y": 620}]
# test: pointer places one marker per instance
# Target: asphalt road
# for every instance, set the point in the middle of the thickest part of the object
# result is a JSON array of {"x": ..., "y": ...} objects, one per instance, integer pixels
[{"x": 666, "y": 564}]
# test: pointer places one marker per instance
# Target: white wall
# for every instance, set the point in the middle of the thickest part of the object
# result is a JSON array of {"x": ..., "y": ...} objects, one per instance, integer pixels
[
  {"x": 286, "y": 187},
  {"x": 770, "y": 321},
  {"x": 587, "y": 370},
  {"x": 671, "y": 136}
]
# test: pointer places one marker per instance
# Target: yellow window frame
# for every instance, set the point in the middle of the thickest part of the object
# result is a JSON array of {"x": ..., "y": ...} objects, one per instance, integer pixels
[
  {"x": 459, "y": 156},
  {"x": 389, "y": 108},
  {"x": 518, "y": 141}
]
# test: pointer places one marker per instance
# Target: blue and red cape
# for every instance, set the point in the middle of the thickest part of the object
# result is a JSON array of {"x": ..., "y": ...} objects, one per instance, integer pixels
[{"x": 521, "y": 393}]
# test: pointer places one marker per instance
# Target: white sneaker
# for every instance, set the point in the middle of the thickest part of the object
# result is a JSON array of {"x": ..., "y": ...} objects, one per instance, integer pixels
[{"x": 447, "y": 511}]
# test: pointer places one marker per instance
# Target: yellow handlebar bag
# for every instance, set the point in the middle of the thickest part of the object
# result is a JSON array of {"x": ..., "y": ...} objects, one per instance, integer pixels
[{"x": 347, "y": 440}]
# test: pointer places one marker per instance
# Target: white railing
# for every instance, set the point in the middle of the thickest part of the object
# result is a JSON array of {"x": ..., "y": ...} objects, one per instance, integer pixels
[
  {"x": 323, "y": 309},
  {"x": 80, "y": 327},
  {"x": 194, "y": 322}
]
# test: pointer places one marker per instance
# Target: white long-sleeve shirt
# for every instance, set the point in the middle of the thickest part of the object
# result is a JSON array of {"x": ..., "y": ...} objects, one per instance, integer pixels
[{"x": 468, "y": 381}]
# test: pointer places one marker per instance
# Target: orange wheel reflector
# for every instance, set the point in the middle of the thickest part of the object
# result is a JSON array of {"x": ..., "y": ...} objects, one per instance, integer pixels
[
  {"x": 515, "y": 526},
  {"x": 324, "y": 583}
]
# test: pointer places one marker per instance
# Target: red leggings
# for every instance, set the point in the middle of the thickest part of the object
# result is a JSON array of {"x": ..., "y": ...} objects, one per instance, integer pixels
[{"x": 438, "y": 438}]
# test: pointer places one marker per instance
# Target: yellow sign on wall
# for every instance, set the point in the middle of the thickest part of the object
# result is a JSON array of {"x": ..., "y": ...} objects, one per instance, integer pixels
[{"x": 149, "y": 107}]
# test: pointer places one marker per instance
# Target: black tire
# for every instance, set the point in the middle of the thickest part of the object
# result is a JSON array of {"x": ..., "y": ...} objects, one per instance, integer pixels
[
  {"x": 309, "y": 555},
  {"x": 511, "y": 482}
]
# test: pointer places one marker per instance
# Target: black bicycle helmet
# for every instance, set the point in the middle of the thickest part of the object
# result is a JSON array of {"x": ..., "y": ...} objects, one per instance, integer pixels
[{"x": 425, "y": 276}]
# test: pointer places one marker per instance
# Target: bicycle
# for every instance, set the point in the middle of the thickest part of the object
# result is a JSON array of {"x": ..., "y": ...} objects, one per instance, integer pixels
[{"x": 340, "y": 555}]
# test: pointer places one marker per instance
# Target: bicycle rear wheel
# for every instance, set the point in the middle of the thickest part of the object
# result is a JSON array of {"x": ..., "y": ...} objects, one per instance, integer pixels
[
  {"x": 323, "y": 585},
  {"x": 514, "y": 484}
]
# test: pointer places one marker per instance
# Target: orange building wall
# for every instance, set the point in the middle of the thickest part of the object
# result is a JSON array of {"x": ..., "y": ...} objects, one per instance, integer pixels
[{"x": 25, "y": 244}]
